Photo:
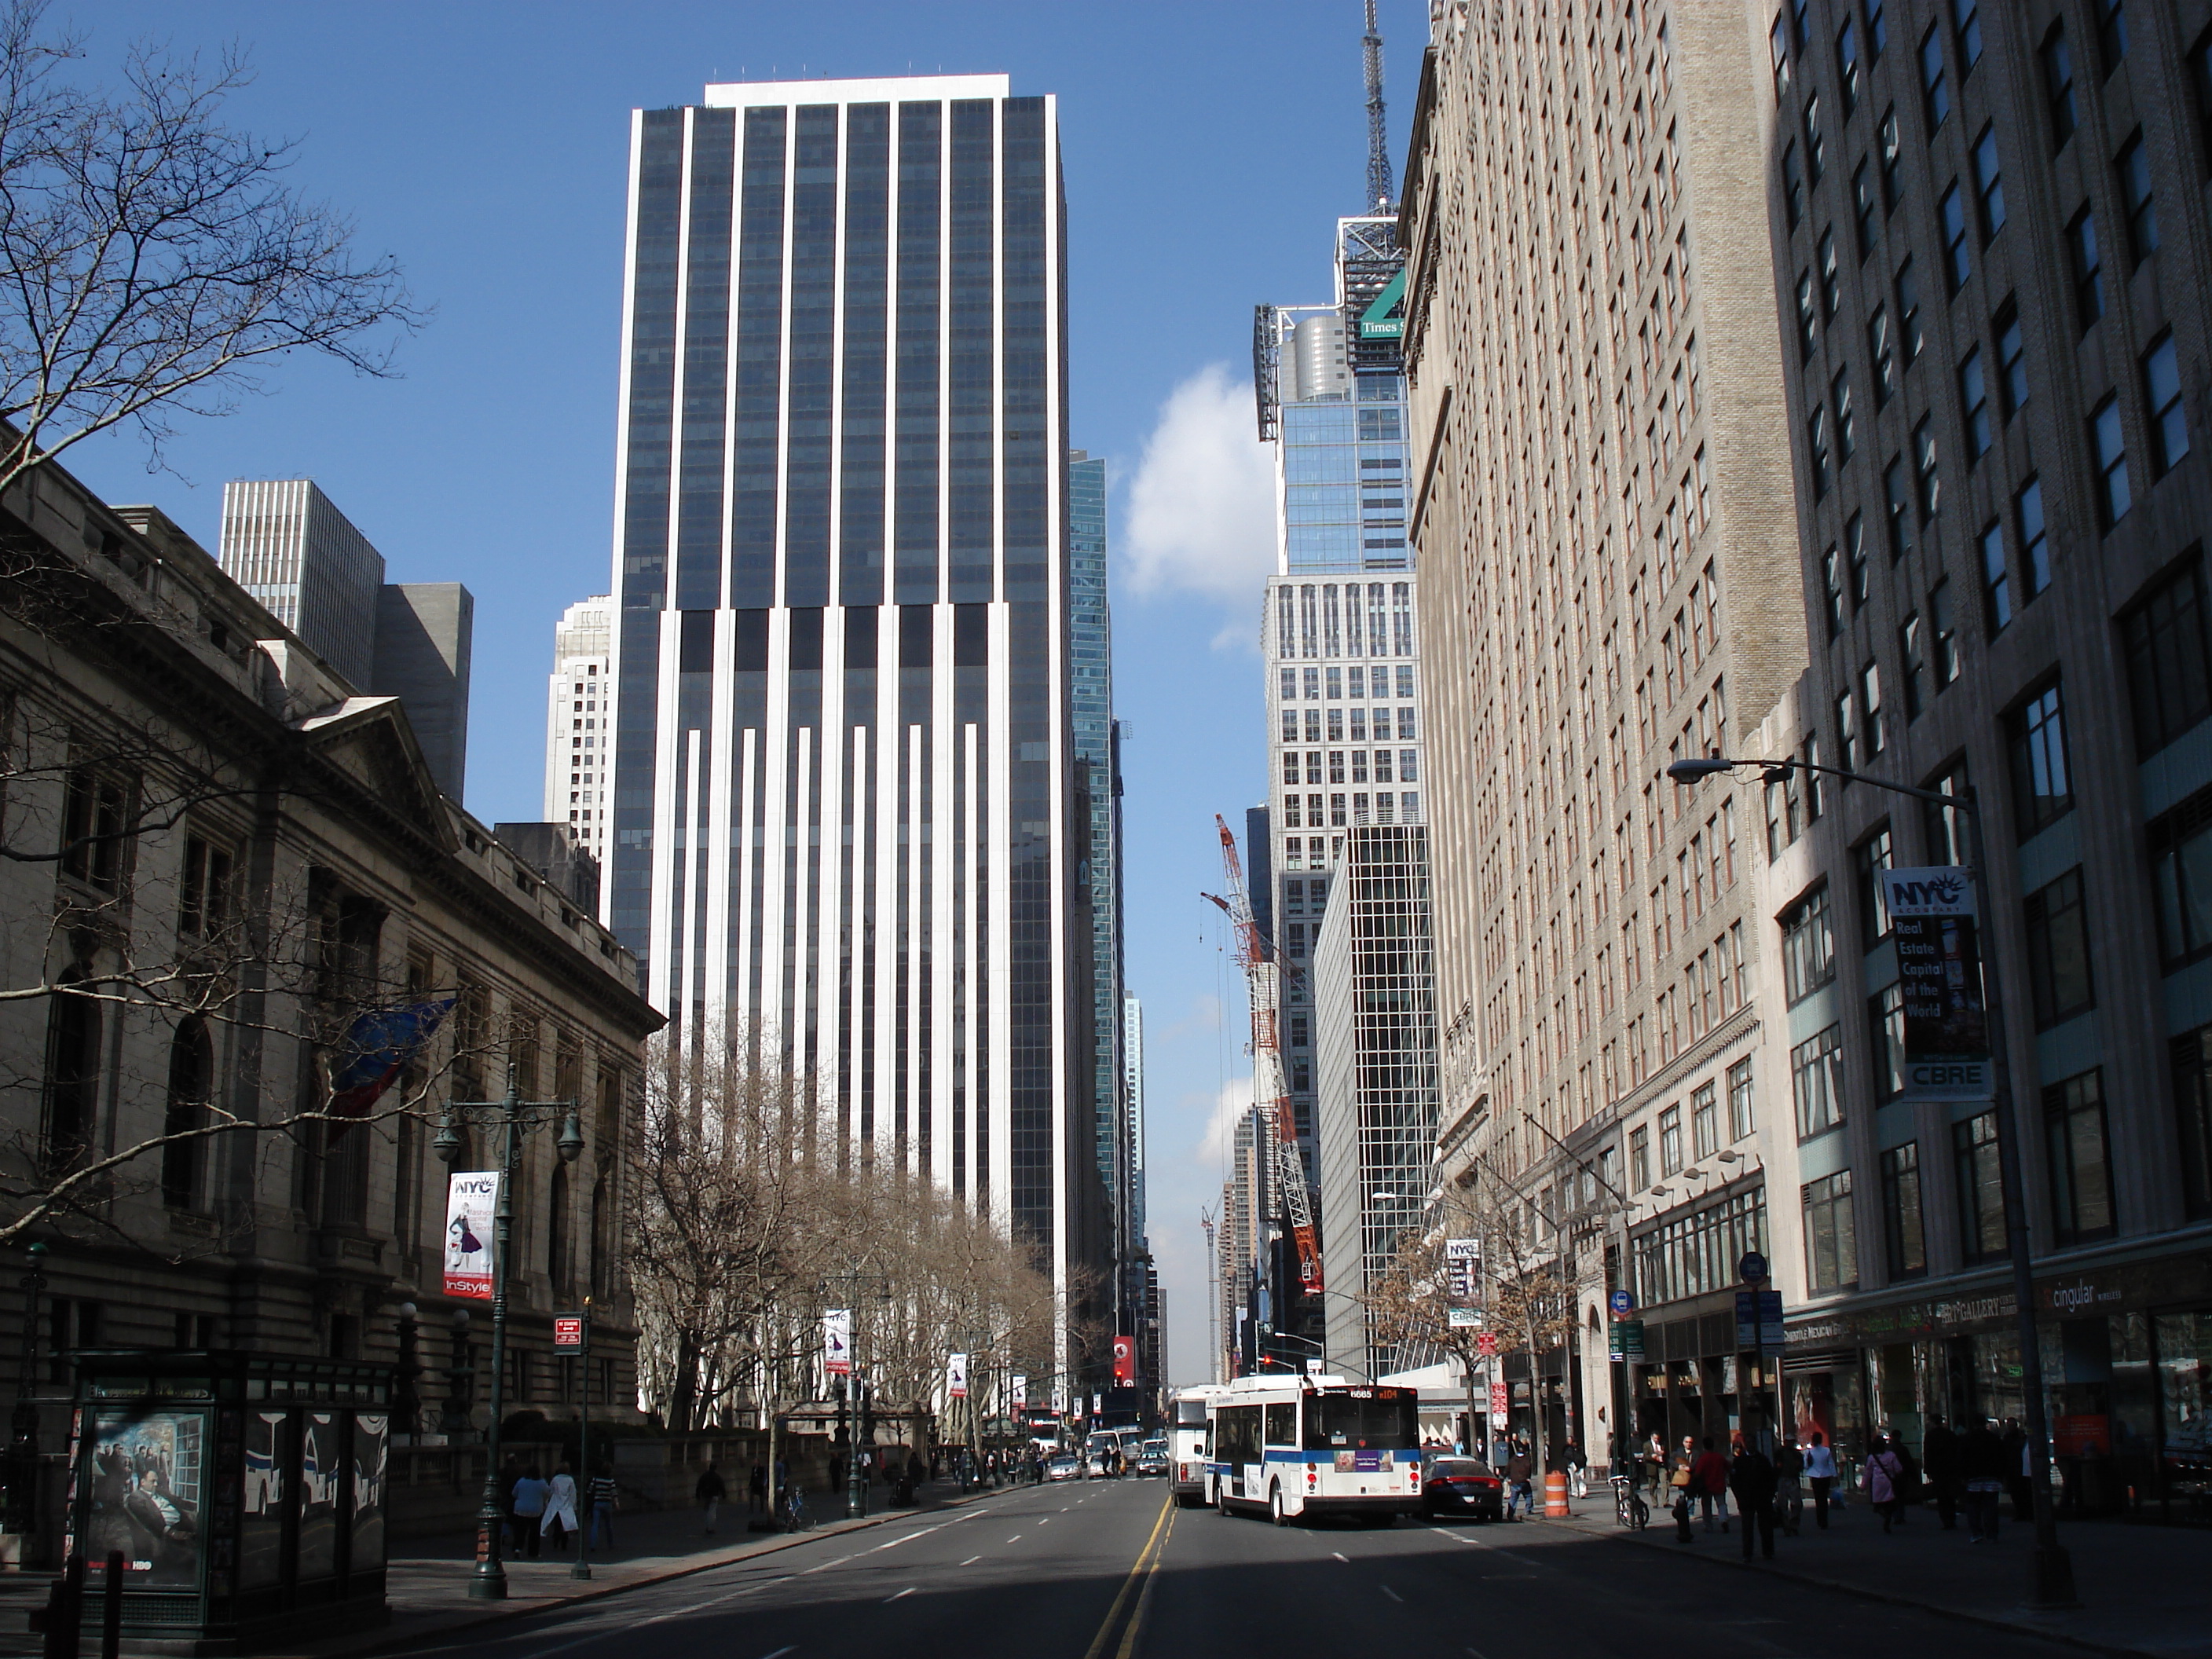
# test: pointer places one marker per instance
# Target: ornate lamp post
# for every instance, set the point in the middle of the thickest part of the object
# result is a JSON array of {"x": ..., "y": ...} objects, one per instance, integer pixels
[{"x": 515, "y": 1117}]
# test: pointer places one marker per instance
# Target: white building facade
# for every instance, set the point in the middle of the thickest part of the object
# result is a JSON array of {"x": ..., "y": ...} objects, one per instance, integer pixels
[{"x": 579, "y": 722}]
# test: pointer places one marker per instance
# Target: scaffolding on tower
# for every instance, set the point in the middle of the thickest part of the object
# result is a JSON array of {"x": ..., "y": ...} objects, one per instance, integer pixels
[{"x": 1263, "y": 970}]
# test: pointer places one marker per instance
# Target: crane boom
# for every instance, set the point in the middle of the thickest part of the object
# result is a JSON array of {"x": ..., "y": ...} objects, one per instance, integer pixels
[{"x": 1255, "y": 955}]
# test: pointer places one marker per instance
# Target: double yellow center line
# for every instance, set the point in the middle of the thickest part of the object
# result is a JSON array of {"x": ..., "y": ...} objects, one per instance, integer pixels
[{"x": 1137, "y": 1588}]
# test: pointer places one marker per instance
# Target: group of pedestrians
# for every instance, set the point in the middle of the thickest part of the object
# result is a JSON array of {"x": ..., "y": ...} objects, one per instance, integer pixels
[{"x": 539, "y": 1509}]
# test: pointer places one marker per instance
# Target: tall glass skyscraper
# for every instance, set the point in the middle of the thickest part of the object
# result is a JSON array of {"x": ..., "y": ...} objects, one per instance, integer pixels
[{"x": 846, "y": 818}]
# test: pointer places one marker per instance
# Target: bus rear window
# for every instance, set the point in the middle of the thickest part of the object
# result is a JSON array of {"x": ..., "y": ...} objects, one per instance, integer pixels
[{"x": 1375, "y": 1424}]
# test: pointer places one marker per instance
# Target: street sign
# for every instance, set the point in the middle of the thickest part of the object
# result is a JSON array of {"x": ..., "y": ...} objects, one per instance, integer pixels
[
  {"x": 1501, "y": 1403},
  {"x": 1621, "y": 1303},
  {"x": 569, "y": 1332},
  {"x": 1752, "y": 1269},
  {"x": 1486, "y": 1344},
  {"x": 1624, "y": 1340},
  {"x": 1313, "y": 1368},
  {"x": 1932, "y": 917},
  {"x": 1759, "y": 1319}
]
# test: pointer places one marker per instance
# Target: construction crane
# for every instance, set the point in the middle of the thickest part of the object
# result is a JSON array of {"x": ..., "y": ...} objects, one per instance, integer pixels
[
  {"x": 1378, "y": 136},
  {"x": 1257, "y": 956}
]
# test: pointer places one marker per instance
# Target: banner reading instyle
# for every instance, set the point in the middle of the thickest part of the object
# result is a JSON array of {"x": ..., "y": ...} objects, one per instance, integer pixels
[
  {"x": 1947, "y": 1043},
  {"x": 955, "y": 1376},
  {"x": 471, "y": 1199},
  {"x": 837, "y": 1341}
]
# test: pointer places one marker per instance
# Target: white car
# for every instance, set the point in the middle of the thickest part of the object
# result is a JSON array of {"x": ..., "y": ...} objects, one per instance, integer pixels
[{"x": 1063, "y": 1467}]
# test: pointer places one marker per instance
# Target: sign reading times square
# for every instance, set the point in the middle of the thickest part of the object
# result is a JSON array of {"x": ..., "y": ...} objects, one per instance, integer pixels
[{"x": 1938, "y": 968}]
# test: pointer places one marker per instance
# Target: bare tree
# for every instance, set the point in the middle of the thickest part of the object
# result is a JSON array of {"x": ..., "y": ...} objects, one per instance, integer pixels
[{"x": 152, "y": 255}]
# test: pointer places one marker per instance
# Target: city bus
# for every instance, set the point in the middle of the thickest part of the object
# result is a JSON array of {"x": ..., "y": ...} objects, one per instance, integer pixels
[
  {"x": 1187, "y": 1427},
  {"x": 1290, "y": 1446}
]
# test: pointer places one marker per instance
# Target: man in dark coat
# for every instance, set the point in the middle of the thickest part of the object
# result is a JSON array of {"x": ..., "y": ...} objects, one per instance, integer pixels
[
  {"x": 1751, "y": 1477},
  {"x": 1939, "y": 1459}
]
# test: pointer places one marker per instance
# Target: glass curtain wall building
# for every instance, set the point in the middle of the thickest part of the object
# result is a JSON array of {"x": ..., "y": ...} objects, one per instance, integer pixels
[
  {"x": 847, "y": 823},
  {"x": 1340, "y": 634}
]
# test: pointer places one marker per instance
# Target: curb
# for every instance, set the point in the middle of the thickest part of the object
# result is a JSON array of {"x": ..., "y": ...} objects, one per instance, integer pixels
[
  {"x": 743, "y": 1552},
  {"x": 1987, "y": 1621}
]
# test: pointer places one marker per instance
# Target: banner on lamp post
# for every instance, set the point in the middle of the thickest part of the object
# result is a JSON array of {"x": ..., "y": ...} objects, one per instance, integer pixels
[
  {"x": 471, "y": 1200},
  {"x": 955, "y": 1376},
  {"x": 1934, "y": 922},
  {"x": 1020, "y": 1391},
  {"x": 837, "y": 1341}
]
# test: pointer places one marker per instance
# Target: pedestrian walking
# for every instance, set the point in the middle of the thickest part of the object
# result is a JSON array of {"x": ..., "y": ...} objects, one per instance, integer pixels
[
  {"x": 2017, "y": 1477},
  {"x": 1939, "y": 1458},
  {"x": 560, "y": 1509},
  {"x": 756, "y": 1491},
  {"x": 529, "y": 1510},
  {"x": 708, "y": 1494},
  {"x": 601, "y": 1497},
  {"x": 1981, "y": 1465},
  {"x": 1709, "y": 1478},
  {"x": 1789, "y": 1486},
  {"x": 1520, "y": 1476},
  {"x": 1655, "y": 1464},
  {"x": 1752, "y": 1478},
  {"x": 1820, "y": 1476},
  {"x": 1885, "y": 1483},
  {"x": 1577, "y": 1470}
]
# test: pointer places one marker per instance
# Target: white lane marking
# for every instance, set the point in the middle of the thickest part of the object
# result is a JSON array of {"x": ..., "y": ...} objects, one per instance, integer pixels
[
  {"x": 1341, "y": 1556},
  {"x": 826, "y": 1565},
  {"x": 1016, "y": 1539},
  {"x": 971, "y": 1561},
  {"x": 779, "y": 1652},
  {"x": 908, "y": 1591},
  {"x": 1500, "y": 1550},
  {"x": 678, "y": 1613},
  {"x": 1046, "y": 1519},
  {"x": 1393, "y": 1595}
]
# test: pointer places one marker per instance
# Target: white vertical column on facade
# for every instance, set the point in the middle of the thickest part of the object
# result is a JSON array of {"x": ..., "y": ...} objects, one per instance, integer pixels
[
  {"x": 1057, "y": 655},
  {"x": 998, "y": 835},
  {"x": 617, "y": 588},
  {"x": 713, "y": 858},
  {"x": 890, "y": 817},
  {"x": 804, "y": 897},
  {"x": 667, "y": 739},
  {"x": 776, "y": 850},
  {"x": 971, "y": 915},
  {"x": 944, "y": 813},
  {"x": 943, "y": 350},
  {"x": 917, "y": 936},
  {"x": 854, "y": 861},
  {"x": 778, "y": 596},
  {"x": 745, "y": 861},
  {"x": 687, "y": 955}
]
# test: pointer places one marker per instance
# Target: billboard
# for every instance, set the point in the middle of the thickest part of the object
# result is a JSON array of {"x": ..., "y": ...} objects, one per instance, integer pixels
[
  {"x": 471, "y": 1199},
  {"x": 1124, "y": 1360},
  {"x": 1947, "y": 1043}
]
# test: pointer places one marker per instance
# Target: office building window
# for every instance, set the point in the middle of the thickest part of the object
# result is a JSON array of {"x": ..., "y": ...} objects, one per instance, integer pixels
[
  {"x": 1831, "y": 581},
  {"x": 2058, "y": 952},
  {"x": 1981, "y": 1187},
  {"x": 1957, "y": 258},
  {"x": 1897, "y": 496},
  {"x": 1854, "y": 560},
  {"x": 1705, "y": 1121},
  {"x": 1966, "y": 24},
  {"x": 1831, "y": 1240},
  {"x": 1996, "y": 581},
  {"x": 2109, "y": 445},
  {"x": 1639, "y": 1158},
  {"x": 1816, "y": 443},
  {"x": 1905, "y": 1241},
  {"x": 2042, "y": 785},
  {"x": 1847, "y": 67},
  {"x": 1934, "y": 92},
  {"x": 1913, "y": 651},
  {"x": 2034, "y": 542},
  {"x": 2168, "y": 645},
  {"x": 1885, "y": 1038},
  {"x": 1670, "y": 1141},
  {"x": 1862, "y": 206},
  {"x": 1742, "y": 1104},
  {"x": 2181, "y": 878},
  {"x": 2169, "y": 426},
  {"x": 1974, "y": 405},
  {"x": 1816, "y": 1082},
  {"x": 2057, "y": 63},
  {"x": 2080, "y": 1158},
  {"x": 1793, "y": 184},
  {"x": 1943, "y": 828},
  {"x": 2012, "y": 360},
  {"x": 1884, "y": 365},
  {"x": 2192, "y": 1106},
  {"x": 1840, "y": 398},
  {"x": 1912, "y": 335},
  {"x": 1928, "y": 474},
  {"x": 2133, "y": 163},
  {"x": 1872, "y": 856},
  {"x": 1989, "y": 183},
  {"x": 1808, "y": 947},
  {"x": 2111, "y": 32},
  {"x": 2089, "y": 268},
  {"x": 1891, "y": 150},
  {"x": 1808, "y": 323}
]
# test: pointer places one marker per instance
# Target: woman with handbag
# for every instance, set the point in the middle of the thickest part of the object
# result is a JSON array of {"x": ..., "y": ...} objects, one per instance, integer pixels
[{"x": 1885, "y": 1483}]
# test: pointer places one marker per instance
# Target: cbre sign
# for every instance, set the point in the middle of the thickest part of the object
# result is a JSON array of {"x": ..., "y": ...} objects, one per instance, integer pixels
[{"x": 1935, "y": 922}]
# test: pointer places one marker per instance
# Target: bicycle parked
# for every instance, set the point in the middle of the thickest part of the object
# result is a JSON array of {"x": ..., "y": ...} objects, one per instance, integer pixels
[
  {"x": 1628, "y": 1506},
  {"x": 791, "y": 1514}
]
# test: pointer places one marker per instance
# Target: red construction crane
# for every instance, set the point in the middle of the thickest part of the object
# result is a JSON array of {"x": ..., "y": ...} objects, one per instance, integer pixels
[{"x": 1257, "y": 956}]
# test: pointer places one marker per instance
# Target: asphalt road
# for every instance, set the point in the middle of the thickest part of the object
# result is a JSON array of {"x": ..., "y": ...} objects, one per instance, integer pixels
[{"x": 1106, "y": 1570}]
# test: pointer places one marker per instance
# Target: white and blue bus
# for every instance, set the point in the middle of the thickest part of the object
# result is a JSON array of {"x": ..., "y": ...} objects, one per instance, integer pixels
[
  {"x": 1187, "y": 1443},
  {"x": 1290, "y": 1446}
]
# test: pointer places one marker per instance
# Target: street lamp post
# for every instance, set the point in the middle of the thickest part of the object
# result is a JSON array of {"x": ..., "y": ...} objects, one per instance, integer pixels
[
  {"x": 2053, "y": 1569},
  {"x": 515, "y": 1117}
]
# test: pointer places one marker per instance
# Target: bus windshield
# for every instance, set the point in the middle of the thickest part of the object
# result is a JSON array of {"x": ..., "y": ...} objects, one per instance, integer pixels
[{"x": 1371, "y": 1424}]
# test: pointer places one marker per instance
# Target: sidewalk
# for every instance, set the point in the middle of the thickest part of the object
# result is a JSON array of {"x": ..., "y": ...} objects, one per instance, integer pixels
[
  {"x": 2146, "y": 1591},
  {"x": 427, "y": 1587}
]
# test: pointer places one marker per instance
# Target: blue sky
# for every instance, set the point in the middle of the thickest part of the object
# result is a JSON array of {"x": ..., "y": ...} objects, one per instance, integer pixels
[{"x": 1208, "y": 149}]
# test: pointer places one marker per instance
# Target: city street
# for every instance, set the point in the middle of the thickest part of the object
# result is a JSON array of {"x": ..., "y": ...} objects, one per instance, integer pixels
[{"x": 1104, "y": 1570}]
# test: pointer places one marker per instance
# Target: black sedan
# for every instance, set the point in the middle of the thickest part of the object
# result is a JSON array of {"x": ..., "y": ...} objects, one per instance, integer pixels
[{"x": 1462, "y": 1486}]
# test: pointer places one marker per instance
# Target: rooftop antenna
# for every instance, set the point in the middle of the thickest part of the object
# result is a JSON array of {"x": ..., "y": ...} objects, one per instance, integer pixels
[{"x": 1379, "y": 195}]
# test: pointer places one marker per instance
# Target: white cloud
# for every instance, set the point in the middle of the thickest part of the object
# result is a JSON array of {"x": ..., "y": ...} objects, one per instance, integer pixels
[
  {"x": 1202, "y": 505},
  {"x": 1229, "y": 1106}
]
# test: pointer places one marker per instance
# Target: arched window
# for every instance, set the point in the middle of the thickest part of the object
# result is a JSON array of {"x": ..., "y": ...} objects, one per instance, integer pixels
[
  {"x": 560, "y": 1255},
  {"x": 72, "y": 1093},
  {"x": 191, "y": 1079}
]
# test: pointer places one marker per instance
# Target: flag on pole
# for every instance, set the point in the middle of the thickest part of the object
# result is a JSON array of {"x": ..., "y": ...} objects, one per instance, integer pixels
[{"x": 375, "y": 1049}]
